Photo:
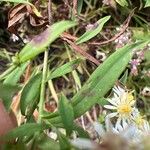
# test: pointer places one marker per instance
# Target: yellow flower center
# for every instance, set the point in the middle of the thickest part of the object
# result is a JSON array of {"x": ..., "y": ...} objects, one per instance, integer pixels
[
  {"x": 124, "y": 109},
  {"x": 130, "y": 97},
  {"x": 139, "y": 121}
]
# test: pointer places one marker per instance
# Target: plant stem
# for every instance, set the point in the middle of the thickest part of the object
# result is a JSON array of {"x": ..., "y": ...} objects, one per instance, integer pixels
[
  {"x": 44, "y": 76},
  {"x": 42, "y": 93},
  {"x": 8, "y": 71}
]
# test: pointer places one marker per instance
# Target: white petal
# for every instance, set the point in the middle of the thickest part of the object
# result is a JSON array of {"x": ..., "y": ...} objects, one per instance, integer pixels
[
  {"x": 118, "y": 123},
  {"x": 112, "y": 102},
  {"x": 110, "y": 107},
  {"x": 99, "y": 129},
  {"x": 146, "y": 127},
  {"x": 83, "y": 143},
  {"x": 119, "y": 128},
  {"x": 111, "y": 115},
  {"x": 132, "y": 102},
  {"x": 124, "y": 123},
  {"x": 119, "y": 91},
  {"x": 130, "y": 132},
  {"x": 108, "y": 124},
  {"x": 116, "y": 94},
  {"x": 114, "y": 130},
  {"x": 116, "y": 99}
]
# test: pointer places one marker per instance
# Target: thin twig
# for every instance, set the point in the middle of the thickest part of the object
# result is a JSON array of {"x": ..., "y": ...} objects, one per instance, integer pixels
[
  {"x": 81, "y": 51},
  {"x": 75, "y": 7},
  {"x": 50, "y": 12}
]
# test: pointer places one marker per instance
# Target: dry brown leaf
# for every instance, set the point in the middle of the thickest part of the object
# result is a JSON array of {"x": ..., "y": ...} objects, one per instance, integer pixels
[
  {"x": 82, "y": 52},
  {"x": 19, "y": 12},
  {"x": 7, "y": 120}
]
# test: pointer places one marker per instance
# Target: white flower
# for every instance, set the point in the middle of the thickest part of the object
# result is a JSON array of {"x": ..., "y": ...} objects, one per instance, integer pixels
[
  {"x": 126, "y": 132},
  {"x": 146, "y": 128},
  {"x": 14, "y": 38},
  {"x": 83, "y": 143},
  {"x": 123, "y": 104},
  {"x": 141, "y": 123},
  {"x": 130, "y": 133}
]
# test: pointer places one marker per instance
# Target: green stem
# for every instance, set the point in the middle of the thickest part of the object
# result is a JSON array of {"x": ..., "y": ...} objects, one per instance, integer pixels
[
  {"x": 8, "y": 71},
  {"x": 42, "y": 93}
]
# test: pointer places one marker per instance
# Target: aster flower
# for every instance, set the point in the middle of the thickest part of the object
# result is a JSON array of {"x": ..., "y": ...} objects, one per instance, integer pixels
[
  {"x": 134, "y": 63},
  {"x": 128, "y": 134},
  {"x": 122, "y": 39},
  {"x": 141, "y": 123},
  {"x": 146, "y": 128},
  {"x": 123, "y": 104}
]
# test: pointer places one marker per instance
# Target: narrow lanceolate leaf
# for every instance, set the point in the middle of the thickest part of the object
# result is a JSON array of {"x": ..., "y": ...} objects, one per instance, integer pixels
[
  {"x": 24, "y": 130},
  {"x": 15, "y": 75},
  {"x": 97, "y": 27},
  {"x": 103, "y": 78},
  {"x": 79, "y": 6},
  {"x": 45, "y": 143},
  {"x": 147, "y": 3},
  {"x": 40, "y": 42},
  {"x": 66, "y": 113},
  {"x": 6, "y": 94},
  {"x": 17, "y": 1},
  {"x": 122, "y": 2},
  {"x": 81, "y": 132},
  {"x": 64, "y": 69},
  {"x": 101, "y": 81},
  {"x": 63, "y": 141},
  {"x": 30, "y": 93}
]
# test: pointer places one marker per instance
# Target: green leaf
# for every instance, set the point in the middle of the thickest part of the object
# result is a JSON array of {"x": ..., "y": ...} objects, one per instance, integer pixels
[
  {"x": 82, "y": 133},
  {"x": 79, "y": 6},
  {"x": 63, "y": 141},
  {"x": 103, "y": 78},
  {"x": 64, "y": 69},
  {"x": 140, "y": 34},
  {"x": 40, "y": 42},
  {"x": 6, "y": 93},
  {"x": 15, "y": 75},
  {"x": 102, "y": 101},
  {"x": 124, "y": 77},
  {"x": 147, "y": 4},
  {"x": 147, "y": 56},
  {"x": 17, "y": 1},
  {"x": 93, "y": 32},
  {"x": 11, "y": 146},
  {"x": 101, "y": 81},
  {"x": 24, "y": 130},
  {"x": 66, "y": 113},
  {"x": 30, "y": 93},
  {"x": 45, "y": 143},
  {"x": 122, "y": 2}
]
